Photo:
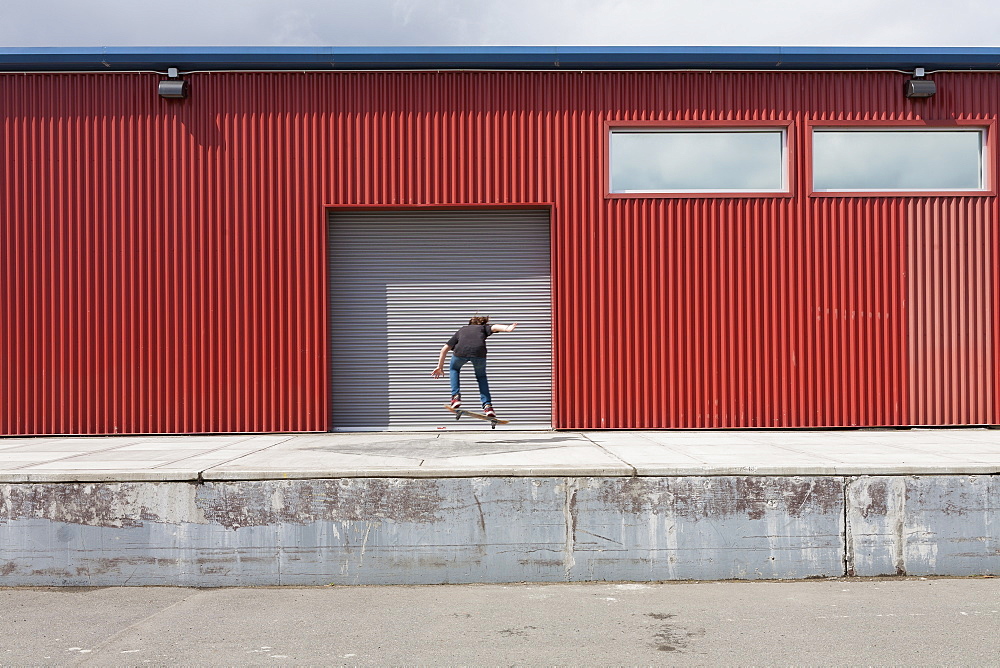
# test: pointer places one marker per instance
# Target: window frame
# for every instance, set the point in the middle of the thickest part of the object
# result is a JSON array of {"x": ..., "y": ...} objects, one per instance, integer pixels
[
  {"x": 988, "y": 155},
  {"x": 788, "y": 150}
]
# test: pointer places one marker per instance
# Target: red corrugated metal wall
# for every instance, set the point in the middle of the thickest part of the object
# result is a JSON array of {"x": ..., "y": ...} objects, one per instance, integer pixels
[{"x": 163, "y": 262}]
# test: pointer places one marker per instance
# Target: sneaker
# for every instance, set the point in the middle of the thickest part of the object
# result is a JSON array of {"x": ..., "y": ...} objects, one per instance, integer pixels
[
  {"x": 488, "y": 411},
  {"x": 456, "y": 402}
]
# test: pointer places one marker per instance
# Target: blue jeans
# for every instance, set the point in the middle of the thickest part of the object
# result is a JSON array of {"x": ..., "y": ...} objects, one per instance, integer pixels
[{"x": 479, "y": 366}]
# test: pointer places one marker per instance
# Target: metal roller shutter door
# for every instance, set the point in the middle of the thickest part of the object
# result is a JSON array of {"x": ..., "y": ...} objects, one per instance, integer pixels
[{"x": 401, "y": 283}]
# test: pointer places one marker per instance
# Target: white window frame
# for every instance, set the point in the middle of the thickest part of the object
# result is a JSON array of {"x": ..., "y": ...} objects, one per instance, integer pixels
[
  {"x": 984, "y": 152},
  {"x": 770, "y": 128}
]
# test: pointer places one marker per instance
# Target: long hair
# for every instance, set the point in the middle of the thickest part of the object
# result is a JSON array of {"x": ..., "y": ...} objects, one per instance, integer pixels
[{"x": 479, "y": 320}]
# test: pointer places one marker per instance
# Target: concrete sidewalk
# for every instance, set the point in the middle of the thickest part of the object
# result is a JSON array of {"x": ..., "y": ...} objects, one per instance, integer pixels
[{"x": 499, "y": 453}]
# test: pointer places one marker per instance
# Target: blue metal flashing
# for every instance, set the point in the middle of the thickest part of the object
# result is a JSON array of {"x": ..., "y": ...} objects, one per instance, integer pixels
[{"x": 498, "y": 58}]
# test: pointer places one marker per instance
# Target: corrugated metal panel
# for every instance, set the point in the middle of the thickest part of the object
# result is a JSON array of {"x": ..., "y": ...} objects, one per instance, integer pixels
[
  {"x": 164, "y": 263},
  {"x": 854, "y": 351},
  {"x": 950, "y": 330},
  {"x": 401, "y": 283}
]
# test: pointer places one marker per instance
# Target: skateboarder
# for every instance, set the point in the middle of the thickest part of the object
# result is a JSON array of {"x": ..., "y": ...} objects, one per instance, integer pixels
[{"x": 469, "y": 344}]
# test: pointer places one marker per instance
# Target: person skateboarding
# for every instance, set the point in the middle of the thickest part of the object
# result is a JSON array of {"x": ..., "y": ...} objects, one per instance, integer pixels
[{"x": 469, "y": 345}]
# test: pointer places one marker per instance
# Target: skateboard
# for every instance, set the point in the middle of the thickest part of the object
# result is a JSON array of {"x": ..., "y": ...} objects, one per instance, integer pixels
[{"x": 461, "y": 411}]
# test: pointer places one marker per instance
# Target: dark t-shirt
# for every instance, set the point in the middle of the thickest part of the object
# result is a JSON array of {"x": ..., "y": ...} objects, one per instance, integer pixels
[{"x": 470, "y": 341}]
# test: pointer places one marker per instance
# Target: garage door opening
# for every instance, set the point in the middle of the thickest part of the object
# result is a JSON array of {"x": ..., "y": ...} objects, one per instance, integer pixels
[{"x": 401, "y": 283}]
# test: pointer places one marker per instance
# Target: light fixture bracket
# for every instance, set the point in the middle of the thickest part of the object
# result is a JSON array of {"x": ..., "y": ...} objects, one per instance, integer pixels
[
  {"x": 919, "y": 87},
  {"x": 173, "y": 87}
]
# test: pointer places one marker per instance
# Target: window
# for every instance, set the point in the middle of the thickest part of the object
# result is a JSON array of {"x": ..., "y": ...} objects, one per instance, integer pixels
[
  {"x": 898, "y": 159},
  {"x": 698, "y": 160}
]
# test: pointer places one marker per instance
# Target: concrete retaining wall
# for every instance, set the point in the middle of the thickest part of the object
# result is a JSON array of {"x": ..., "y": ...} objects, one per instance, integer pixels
[
  {"x": 923, "y": 525},
  {"x": 507, "y": 529}
]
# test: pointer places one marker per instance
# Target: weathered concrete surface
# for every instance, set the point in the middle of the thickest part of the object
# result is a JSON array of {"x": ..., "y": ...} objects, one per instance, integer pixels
[
  {"x": 923, "y": 525},
  {"x": 706, "y": 528},
  {"x": 500, "y": 529},
  {"x": 361, "y": 531},
  {"x": 352, "y": 531},
  {"x": 840, "y": 622}
]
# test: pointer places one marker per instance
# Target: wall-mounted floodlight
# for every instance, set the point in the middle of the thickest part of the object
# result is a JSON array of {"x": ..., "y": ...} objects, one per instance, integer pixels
[
  {"x": 173, "y": 87},
  {"x": 918, "y": 86}
]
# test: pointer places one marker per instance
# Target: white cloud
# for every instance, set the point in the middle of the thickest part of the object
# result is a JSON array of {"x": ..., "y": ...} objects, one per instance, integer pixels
[{"x": 495, "y": 22}]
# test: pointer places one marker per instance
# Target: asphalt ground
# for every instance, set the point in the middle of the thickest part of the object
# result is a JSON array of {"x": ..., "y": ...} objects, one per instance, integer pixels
[{"x": 910, "y": 621}]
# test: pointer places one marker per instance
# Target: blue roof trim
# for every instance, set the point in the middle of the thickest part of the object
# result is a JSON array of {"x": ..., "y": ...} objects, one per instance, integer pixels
[{"x": 501, "y": 57}]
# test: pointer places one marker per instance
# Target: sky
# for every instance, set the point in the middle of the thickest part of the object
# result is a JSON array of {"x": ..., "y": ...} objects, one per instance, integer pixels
[{"x": 887, "y": 23}]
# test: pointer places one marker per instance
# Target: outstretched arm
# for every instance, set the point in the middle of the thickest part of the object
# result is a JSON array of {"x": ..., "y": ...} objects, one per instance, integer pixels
[
  {"x": 505, "y": 328},
  {"x": 436, "y": 373}
]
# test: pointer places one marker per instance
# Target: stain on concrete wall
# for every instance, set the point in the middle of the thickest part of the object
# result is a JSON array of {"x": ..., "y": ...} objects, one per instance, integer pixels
[
  {"x": 261, "y": 503},
  {"x": 876, "y": 508},
  {"x": 121, "y": 504},
  {"x": 420, "y": 531},
  {"x": 697, "y": 498},
  {"x": 708, "y": 528},
  {"x": 923, "y": 525},
  {"x": 349, "y": 531}
]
